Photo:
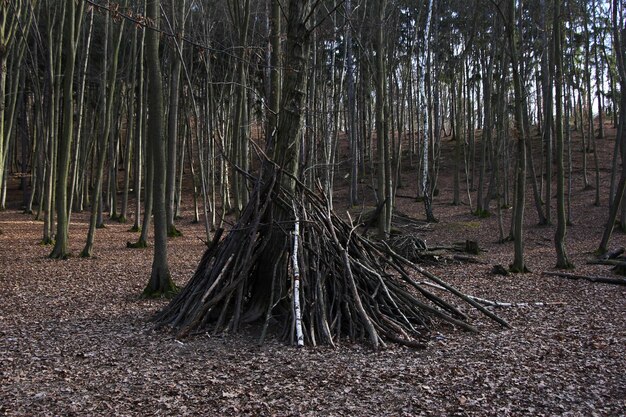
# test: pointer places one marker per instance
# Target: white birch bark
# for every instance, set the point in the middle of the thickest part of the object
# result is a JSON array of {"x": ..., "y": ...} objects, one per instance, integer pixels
[
  {"x": 296, "y": 282},
  {"x": 424, "y": 114}
]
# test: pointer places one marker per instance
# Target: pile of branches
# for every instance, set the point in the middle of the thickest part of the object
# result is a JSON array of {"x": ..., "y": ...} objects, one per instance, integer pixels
[
  {"x": 410, "y": 246},
  {"x": 292, "y": 264},
  {"x": 401, "y": 224}
]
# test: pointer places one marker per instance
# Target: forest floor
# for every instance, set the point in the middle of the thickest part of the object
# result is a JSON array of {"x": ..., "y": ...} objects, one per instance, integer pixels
[{"x": 75, "y": 337}]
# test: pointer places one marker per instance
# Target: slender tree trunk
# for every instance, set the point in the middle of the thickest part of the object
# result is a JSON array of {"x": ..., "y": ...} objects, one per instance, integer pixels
[
  {"x": 192, "y": 172},
  {"x": 178, "y": 26},
  {"x": 520, "y": 186},
  {"x": 99, "y": 150},
  {"x": 351, "y": 116},
  {"x": 586, "y": 184},
  {"x": 130, "y": 134},
  {"x": 591, "y": 141},
  {"x": 426, "y": 185},
  {"x": 64, "y": 144},
  {"x": 181, "y": 172},
  {"x": 275, "y": 72},
  {"x": 562, "y": 260},
  {"x": 14, "y": 95},
  {"x": 619, "y": 35},
  {"x": 546, "y": 86},
  {"x": 9, "y": 24},
  {"x": 570, "y": 105},
  {"x": 114, "y": 147},
  {"x": 108, "y": 89},
  {"x": 78, "y": 169},
  {"x": 384, "y": 184},
  {"x": 54, "y": 58},
  {"x": 471, "y": 130},
  {"x": 25, "y": 135},
  {"x": 139, "y": 130},
  {"x": 482, "y": 206},
  {"x": 142, "y": 241},
  {"x": 160, "y": 282},
  {"x": 599, "y": 77},
  {"x": 531, "y": 167},
  {"x": 456, "y": 98}
]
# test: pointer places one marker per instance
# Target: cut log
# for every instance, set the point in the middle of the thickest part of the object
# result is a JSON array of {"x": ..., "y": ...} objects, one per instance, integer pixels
[
  {"x": 471, "y": 246},
  {"x": 604, "y": 280}
]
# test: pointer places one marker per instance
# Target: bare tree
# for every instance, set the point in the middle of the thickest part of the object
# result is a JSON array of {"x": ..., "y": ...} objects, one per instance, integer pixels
[
  {"x": 562, "y": 260},
  {"x": 160, "y": 282},
  {"x": 619, "y": 39},
  {"x": 425, "y": 175},
  {"x": 64, "y": 144},
  {"x": 520, "y": 184},
  {"x": 177, "y": 25}
]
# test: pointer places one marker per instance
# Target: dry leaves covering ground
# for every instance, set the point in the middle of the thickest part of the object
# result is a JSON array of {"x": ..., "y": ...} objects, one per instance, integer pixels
[{"x": 74, "y": 336}]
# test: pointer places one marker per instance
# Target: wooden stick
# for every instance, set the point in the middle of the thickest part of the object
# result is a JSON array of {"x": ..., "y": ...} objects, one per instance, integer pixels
[
  {"x": 604, "y": 280},
  {"x": 451, "y": 289},
  {"x": 491, "y": 303},
  {"x": 296, "y": 280}
]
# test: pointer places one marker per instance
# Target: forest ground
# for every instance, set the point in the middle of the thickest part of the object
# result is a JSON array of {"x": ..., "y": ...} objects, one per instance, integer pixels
[{"x": 75, "y": 337}]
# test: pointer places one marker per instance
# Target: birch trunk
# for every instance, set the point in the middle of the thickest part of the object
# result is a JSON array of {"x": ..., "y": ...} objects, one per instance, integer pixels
[{"x": 425, "y": 174}]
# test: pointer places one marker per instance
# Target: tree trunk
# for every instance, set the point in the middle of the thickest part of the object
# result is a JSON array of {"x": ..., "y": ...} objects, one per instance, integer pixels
[
  {"x": 139, "y": 131},
  {"x": 130, "y": 132},
  {"x": 520, "y": 186},
  {"x": 351, "y": 116},
  {"x": 8, "y": 28},
  {"x": 384, "y": 181},
  {"x": 178, "y": 27},
  {"x": 562, "y": 260},
  {"x": 591, "y": 139},
  {"x": 426, "y": 185},
  {"x": 55, "y": 54},
  {"x": 546, "y": 87},
  {"x": 160, "y": 282},
  {"x": 108, "y": 91},
  {"x": 80, "y": 168},
  {"x": 457, "y": 109},
  {"x": 619, "y": 35},
  {"x": 64, "y": 144},
  {"x": 482, "y": 205},
  {"x": 599, "y": 78}
]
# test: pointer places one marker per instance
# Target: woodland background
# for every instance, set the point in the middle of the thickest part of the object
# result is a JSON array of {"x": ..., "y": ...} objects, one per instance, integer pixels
[
  {"x": 388, "y": 83},
  {"x": 495, "y": 122}
]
